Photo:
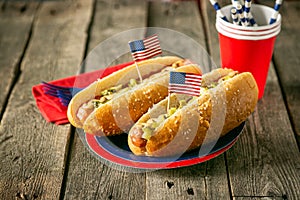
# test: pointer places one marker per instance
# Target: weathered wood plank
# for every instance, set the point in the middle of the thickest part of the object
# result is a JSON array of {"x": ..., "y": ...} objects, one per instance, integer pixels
[
  {"x": 15, "y": 22},
  {"x": 217, "y": 182},
  {"x": 287, "y": 61},
  {"x": 183, "y": 183},
  {"x": 181, "y": 20},
  {"x": 265, "y": 161},
  {"x": 113, "y": 17},
  {"x": 127, "y": 21},
  {"x": 203, "y": 181},
  {"x": 259, "y": 166},
  {"x": 33, "y": 152},
  {"x": 260, "y": 198},
  {"x": 216, "y": 179},
  {"x": 88, "y": 178},
  {"x": 209, "y": 16},
  {"x": 183, "y": 17},
  {"x": 207, "y": 180}
]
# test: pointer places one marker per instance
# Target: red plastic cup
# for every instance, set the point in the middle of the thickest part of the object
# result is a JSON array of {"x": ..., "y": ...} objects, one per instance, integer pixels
[
  {"x": 245, "y": 51},
  {"x": 248, "y": 56}
]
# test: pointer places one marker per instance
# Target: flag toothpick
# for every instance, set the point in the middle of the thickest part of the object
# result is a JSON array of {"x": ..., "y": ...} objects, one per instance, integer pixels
[
  {"x": 144, "y": 49},
  {"x": 138, "y": 71},
  {"x": 184, "y": 83}
]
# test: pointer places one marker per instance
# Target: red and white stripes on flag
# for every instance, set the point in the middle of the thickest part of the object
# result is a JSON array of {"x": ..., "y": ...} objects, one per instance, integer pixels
[
  {"x": 185, "y": 83},
  {"x": 146, "y": 48}
]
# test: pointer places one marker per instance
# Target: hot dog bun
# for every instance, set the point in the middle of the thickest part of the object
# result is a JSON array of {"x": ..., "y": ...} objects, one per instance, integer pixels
[
  {"x": 108, "y": 118},
  {"x": 119, "y": 115},
  {"x": 234, "y": 98},
  {"x": 113, "y": 79}
]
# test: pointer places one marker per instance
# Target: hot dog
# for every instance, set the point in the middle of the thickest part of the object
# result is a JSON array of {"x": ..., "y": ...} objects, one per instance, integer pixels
[
  {"x": 185, "y": 126},
  {"x": 111, "y": 105}
]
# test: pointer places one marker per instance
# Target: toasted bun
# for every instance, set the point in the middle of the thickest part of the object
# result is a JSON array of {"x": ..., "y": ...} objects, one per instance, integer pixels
[
  {"x": 119, "y": 115},
  {"x": 187, "y": 128},
  {"x": 155, "y": 111},
  {"x": 121, "y": 76}
]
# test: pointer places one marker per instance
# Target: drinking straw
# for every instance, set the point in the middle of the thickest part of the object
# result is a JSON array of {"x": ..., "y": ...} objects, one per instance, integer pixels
[
  {"x": 241, "y": 14},
  {"x": 217, "y": 8},
  {"x": 236, "y": 2},
  {"x": 234, "y": 16},
  {"x": 242, "y": 2},
  {"x": 247, "y": 11},
  {"x": 251, "y": 20},
  {"x": 276, "y": 11}
]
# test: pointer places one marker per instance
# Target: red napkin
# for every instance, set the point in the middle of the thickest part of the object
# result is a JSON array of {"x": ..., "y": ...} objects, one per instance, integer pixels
[{"x": 51, "y": 108}]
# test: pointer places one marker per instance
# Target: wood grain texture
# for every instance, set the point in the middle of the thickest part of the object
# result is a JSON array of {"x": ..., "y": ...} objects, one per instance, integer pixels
[
  {"x": 15, "y": 22},
  {"x": 207, "y": 180},
  {"x": 265, "y": 160},
  {"x": 209, "y": 14},
  {"x": 184, "y": 183},
  {"x": 114, "y": 17},
  {"x": 88, "y": 177},
  {"x": 182, "y": 17},
  {"x": 203, "y": 181},
  {"x": 47, "y": 40},
  {"x": 260, "y": 198},
  {"x": 287, "y": 61},
  {"x": 32, "y": 151},
  {"x": 217, "y": 186},
  {"x": 115, "y": 24},
  {"x": 260, "y": 164}
]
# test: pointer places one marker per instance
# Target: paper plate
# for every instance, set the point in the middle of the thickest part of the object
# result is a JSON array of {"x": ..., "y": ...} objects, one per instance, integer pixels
[{"x": 114, "y": 150}]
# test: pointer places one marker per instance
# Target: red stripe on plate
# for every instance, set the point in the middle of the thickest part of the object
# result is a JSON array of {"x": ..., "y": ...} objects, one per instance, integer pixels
[{"x": 93, "y": 144}]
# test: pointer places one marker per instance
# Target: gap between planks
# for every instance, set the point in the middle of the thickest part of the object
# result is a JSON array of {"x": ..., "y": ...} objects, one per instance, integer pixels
[{"x": 17, "y": 68}]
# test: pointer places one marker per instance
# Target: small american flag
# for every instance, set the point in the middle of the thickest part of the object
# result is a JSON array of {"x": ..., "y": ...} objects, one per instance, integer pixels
[
  {"x": 185, "y": 83},
  {"x": 146, "y": 48}
]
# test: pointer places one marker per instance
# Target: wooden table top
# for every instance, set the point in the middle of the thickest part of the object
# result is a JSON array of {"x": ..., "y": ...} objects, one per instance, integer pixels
[{"x": 48, "y": 40}]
